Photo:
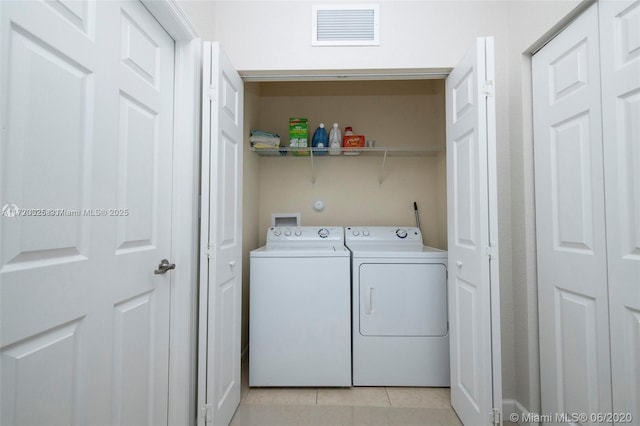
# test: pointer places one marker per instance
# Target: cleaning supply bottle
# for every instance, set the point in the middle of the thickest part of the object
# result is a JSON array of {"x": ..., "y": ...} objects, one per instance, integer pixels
[
  {"x": 348, "y": 131},
  {"x": 335, "y": 140},
  {"x": 320, "y": 140}
]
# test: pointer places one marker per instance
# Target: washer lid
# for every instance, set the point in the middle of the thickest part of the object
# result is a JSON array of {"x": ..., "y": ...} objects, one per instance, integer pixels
[{"x": 328, "y": 251}]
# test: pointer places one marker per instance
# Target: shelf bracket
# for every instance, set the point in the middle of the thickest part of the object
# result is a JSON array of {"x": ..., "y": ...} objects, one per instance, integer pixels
[
  {"x": 384, "y": 160},
  {"x": 313, "y": 170}
]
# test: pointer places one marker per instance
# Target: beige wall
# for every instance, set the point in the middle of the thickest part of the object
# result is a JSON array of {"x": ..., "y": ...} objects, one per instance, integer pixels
[
  {"x": 350, "y": 190},
  {"x": 250, "y": 200},
  {"x": 395, "y": 114}
]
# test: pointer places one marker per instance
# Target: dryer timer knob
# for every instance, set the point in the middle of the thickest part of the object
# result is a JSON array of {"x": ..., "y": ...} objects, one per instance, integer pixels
[
  {"x": 276, "y": 233},
  {"x": 401, "y": 233},
  {"x": 323, "y": 233}
]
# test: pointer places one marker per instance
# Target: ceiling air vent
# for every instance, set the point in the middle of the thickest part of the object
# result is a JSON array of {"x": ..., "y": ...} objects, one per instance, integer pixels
[{"x": 345, "y": 25}]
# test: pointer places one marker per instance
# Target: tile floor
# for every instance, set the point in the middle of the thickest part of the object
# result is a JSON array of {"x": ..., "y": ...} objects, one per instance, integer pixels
[
  {"x": 343, "y": 406},
  {"x": 390, "y": 406}
]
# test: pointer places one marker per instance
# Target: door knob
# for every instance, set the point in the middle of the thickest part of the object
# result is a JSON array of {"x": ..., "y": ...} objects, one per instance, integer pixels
[
  {"x": 232, "y": 263},
  {"x": 459, "y": 263},
  {"x": 164, "y": 266}
]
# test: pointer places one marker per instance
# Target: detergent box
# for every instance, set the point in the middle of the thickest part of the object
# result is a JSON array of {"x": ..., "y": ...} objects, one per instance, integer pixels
[
  {"x": 350, "y": 143},
  {"x": 299, "y": 135}
]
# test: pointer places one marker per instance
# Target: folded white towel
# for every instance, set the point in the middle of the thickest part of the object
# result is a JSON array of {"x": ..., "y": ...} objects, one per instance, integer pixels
[{"x": 265, "y": 140}]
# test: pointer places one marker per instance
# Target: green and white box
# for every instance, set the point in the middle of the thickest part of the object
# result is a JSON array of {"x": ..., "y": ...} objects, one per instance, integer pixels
[{"x": 299, "y": 135}]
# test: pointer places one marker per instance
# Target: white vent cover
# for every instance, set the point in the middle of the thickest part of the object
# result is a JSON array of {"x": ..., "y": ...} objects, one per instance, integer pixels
[{"x": 345, "y": 25}]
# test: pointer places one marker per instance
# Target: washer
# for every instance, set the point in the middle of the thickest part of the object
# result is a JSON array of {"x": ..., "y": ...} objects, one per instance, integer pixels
[
  {"x": 400, "y": 324},
  {"x": 300, "y": 309}
]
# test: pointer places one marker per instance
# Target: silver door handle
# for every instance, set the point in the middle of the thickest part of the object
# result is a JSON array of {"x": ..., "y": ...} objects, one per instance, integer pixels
[{"x": 164, "y": 266}]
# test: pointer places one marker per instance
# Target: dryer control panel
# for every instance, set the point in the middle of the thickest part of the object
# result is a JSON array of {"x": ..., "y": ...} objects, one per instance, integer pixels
[{"x": 383, "y": 234}]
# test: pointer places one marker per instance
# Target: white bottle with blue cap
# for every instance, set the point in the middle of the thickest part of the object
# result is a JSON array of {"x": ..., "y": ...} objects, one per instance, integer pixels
[{"x": 335, "y": 140}]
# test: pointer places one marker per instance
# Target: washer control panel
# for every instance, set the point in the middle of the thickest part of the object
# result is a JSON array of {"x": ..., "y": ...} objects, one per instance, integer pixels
[
  {"x": 305, "y": 234},
  {"x": 378, "y": 234}
]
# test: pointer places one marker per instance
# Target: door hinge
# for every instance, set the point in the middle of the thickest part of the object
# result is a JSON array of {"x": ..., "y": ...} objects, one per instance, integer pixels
[
  {"x": 211, "y": 93},
  {"x": 210, "y": 252},
  {"x": 496, "y": 417},
  {"x": 492, "y": 251},
  {"x": 487, "y": 88},
  {"x": 206, "y": 413}
]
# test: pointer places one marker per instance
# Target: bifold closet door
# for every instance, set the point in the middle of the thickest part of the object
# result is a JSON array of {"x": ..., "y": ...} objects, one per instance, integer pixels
[
  {"x": 570, "y": 222},
  {"x": 620, "y": 47},
  {"x": 474, "y": 286},
  {"x": 220, "y": 238}
]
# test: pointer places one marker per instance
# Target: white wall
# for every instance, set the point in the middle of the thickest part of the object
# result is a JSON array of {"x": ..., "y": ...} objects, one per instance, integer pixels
[
  {"x": 276, "y": 35},
  {"x": 202, "y": 14}
]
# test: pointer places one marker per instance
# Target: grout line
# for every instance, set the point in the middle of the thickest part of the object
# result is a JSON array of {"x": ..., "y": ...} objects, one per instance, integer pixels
[{"x": 316, "y": 396}]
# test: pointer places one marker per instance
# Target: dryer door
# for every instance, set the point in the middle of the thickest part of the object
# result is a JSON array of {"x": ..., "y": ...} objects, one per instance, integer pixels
[{"x": 403, "y": 299}]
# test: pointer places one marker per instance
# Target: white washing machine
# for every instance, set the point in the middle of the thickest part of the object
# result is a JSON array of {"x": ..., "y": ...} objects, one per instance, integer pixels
[
  {"x": 400, "y": 323},
  {"x": 300, "y": 309}
]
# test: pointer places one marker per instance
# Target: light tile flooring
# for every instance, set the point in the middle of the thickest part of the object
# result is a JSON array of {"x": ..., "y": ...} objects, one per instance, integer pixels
[{"x": 343, "y": 406}]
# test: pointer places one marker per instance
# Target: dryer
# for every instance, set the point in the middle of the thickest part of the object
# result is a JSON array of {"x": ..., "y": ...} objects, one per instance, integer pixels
[
  {"x": 399, "y": 313},
  {"x": 300, "y": 309}
]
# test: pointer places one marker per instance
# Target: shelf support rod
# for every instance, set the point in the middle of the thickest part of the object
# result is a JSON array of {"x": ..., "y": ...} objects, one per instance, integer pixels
[
  {"x": 384, "y": 160},
  {"x": 313, "y": 170}
]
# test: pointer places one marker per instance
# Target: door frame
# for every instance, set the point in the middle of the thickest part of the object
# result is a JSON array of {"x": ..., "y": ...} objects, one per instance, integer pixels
[{"x": 184, "y": 207}]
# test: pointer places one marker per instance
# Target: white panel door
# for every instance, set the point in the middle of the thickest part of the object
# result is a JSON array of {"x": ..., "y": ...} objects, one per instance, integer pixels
[
  {"x": 570, "y": 222},
  {"x": 86, "y": 110},
  {"x": 472, "y": 229},
  {"x": 620, "y": 66},
  {"x": 221, "y": 236}
]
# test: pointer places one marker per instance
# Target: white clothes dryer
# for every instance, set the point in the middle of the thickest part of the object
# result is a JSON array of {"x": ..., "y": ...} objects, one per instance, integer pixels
[
  {"x": 399, "y": 314},
  {"x": 300, "y": 309}
]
